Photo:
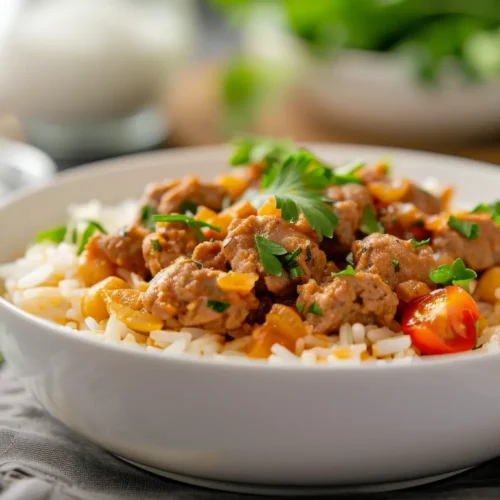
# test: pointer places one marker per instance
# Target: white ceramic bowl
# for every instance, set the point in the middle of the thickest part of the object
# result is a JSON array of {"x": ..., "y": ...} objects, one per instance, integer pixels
[
  {"x": 255, "y": 424},
  {"x": 376, "y": 94}
]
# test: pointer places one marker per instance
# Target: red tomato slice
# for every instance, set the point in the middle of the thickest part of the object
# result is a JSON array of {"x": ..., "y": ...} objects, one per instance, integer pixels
[{"x": 442, "y": 322}]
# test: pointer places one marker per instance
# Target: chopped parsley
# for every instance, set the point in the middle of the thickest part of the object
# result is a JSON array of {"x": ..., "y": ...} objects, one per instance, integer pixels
[
  {"x": 492, "y": 209},
  {"x": 54, "y": 235},
  {"x": 91, "y": 228},
  {"x": 348, "y": 271},
  {"x": 456, "y": 274},
  {"x": 346, "y": 174},
  {"x": 188, "y": 206},
  {"x": 369, "y": 222},
  {"x": 274, "y": 258},
  {"x": 308, "y": 252},
  {"x": 417, "y": 243},
  {"x": 292, "y": 256},
  {"x": 295, "y": 272},
  {"x": 469, "y": 230},
  {"x": 147, "y": 217},
  {"x": 189, "y": 221},
  {"x": 268, "y": 252},
  {"x": 315, "y": 309},
  {"x": 296, "y": 184},
  {"x": 254, "y": 149},
  {"x": 218, "y": 306},
  {"x": 300, "y": 306},
  {"x": 396, "y": 265},
  {"x": 156, "y": 245}
]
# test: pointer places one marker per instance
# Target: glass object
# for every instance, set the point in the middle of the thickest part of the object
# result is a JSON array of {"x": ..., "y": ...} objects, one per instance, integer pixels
[{"x": 87, "y": 77}]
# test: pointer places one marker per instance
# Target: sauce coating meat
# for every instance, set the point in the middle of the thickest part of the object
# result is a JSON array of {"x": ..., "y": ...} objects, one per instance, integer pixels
[{"x": 288, "y": 239}]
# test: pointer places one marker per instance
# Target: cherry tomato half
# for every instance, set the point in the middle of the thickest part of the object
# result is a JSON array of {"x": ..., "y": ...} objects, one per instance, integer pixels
[{"x": 442, "y": 322}]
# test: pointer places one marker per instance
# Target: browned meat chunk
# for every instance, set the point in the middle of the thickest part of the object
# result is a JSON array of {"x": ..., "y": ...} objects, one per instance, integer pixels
[
  {"x": 394, "y": 260},
  {"x": 192, "y": 296},
  {"x": 424, "y": 201},
  {"x": 171, "y": 240},
  {"x": 170, "y": 196},
  {"x": 477, "y": 254},
  {"x": 410, "y": 290},
  {"x": 404, "y": 220},
  {"x": 350, "y": 200},
  {"x": 350, "y": 192},
  {"x": 211, "y": 255},
  {"x": 241, "y": 252},
  {"x": 121, "y": 249},
  {"x": 363, "y": 298}
]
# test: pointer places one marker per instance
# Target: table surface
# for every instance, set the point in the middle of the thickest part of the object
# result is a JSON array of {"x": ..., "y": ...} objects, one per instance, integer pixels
[{"x": 193, "y": 109}]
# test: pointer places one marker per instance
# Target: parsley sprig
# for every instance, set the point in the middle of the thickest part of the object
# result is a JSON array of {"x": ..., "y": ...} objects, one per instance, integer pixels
[
  {"x": 348, "y": 271},
  {"x": 275, "y": 258},
  {"x": 296, "y": 183},
  {"x": 493, "y": 209},
  {"x": 456, "y": 274},
  {"x": 369, "y": 222},
  {"x": 469, "y": 230},
  {"x": 194, "y": 224},
  {"x": 417, "y": 243},
  {"x": 255, "y": 149}
]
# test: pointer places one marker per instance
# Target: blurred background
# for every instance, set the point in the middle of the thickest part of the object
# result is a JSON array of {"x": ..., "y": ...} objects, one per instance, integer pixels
[{"x": 82, "y": 80}]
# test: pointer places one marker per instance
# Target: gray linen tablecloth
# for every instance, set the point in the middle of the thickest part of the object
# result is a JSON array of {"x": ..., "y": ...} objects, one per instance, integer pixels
[{"x": 41, "y": 459}]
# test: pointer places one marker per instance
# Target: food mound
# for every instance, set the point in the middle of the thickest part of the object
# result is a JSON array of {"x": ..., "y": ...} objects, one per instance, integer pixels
[{"x": 285, "y": 259}]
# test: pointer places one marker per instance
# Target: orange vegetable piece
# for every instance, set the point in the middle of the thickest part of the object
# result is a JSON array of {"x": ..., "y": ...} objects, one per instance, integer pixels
[
  {"x": 140, "y": 321},
  {"x": 129, "y": 297},
  {"x": 94, "y": 270},
  {"x": 235, "y": 186},
  {"x": 269, "y": 208},
  {"x": 390, "y": 191},
  {"x": 93, "y": 304},
  {"x": 237, "y": 282},
  {"x": 488, "y": 283}
]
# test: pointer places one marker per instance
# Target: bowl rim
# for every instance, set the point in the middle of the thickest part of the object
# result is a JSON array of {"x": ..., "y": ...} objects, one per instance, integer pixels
[{"x": 110, "y": 166}]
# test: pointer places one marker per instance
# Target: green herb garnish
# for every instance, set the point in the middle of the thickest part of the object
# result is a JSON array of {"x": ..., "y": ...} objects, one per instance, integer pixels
[
  {"x": 417, "y": 243},
  {"x": 91, "y": 228},
  {"x": 300, "y": 306},
  {"x": 396, "y": 265},
  {"x": 218, "y": 306},
  {"x": 456, "y": 274},
  {"x": 295, "y": 272},
  {"x": 369, "y": 222},
  {"x": 55, "y": 235},
  {"x": 292, "y": 256},
  {"x": 188, "y": 206},
  {"x": 156, "y": 245},
  {"x": 493, "y": 210},
  {"x": 315, "y": 309},
  {"x": 147, "y": 214},
  {"x": 253, "y": 149},
  {"x": 348, "y": 271},
  {"x": 189, "y": 221},
  {"x": 296, "y": 185},
  {"x": 268, "y": 252},
  {"x": 308, "y": 252},
  {"x": 469, "y": 230}
]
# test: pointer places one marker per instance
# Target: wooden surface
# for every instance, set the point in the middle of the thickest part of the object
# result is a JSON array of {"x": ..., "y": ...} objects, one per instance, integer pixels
[
  {"x": 195, "y": 113},
  {"x": 193, "y": 108}
]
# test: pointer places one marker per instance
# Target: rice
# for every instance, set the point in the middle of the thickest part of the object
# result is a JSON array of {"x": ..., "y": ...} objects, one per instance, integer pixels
[{"x": 45, "y": 282}]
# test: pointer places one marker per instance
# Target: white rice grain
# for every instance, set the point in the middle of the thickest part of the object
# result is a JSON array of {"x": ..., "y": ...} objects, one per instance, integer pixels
[
  {"x": 358, "y": 333},
  {"x": 36, "y": 277},
  {"x": 176, "y": 348},
  {"x": 388, "y": 346},
  {"x": 345, "y": 334},
  {"x": 115, "y": 329},
  {"x": 283, "y": 352},
  {"x": 378, "y": 334},
  {"x": 169, "y": 337}
]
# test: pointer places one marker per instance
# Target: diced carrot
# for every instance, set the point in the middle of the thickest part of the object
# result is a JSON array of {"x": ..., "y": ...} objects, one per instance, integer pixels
[
  {"x": 237, "y": 282},
  {"x": 93, "y": 302},
  {"x": 93, "y": 270},
  {"x": 390, "y": 192},
  {"x": 286, "y": 322},
  {"x": 235, "y": 186},
  {"x": 130, "y": 297},
  {"x": 488, "y": 284},
  {"x": 269, "y": 208}
]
